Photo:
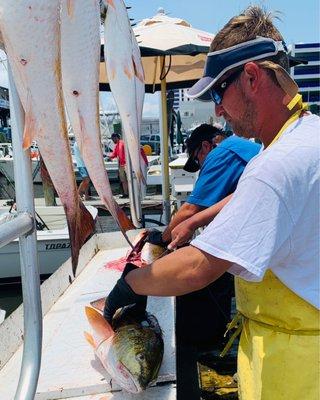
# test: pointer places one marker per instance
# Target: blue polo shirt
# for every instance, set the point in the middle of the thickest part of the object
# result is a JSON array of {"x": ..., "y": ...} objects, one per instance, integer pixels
[
  {"x": 221, "y": 170},
  {"x": 77, "y": 155}
]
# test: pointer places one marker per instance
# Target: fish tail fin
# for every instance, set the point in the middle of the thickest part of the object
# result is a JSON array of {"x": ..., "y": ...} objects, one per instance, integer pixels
[
  {"x": 123, "y": 221},
  {"x": 29, "y": 126},
  {"x": 90, "y": 339},
  {"x": 125, "y": 224},
  {"x": 81, "y": 227}
]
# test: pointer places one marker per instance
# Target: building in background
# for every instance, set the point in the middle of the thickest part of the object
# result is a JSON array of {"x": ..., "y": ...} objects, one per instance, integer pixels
[
  {"x": 179, "y": 96},
  {"x": 150, "y": 126},
  {"x": 308, "y": 76},
  {"x": 194, "y": 113}
]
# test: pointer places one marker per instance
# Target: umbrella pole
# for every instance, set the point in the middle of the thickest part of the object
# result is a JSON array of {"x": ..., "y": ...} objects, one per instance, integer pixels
[{"x": 164, "y": 149}]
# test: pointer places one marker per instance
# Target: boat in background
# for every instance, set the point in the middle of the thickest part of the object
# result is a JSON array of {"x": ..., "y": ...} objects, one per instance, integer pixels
[{"x": 53, "y": 249}]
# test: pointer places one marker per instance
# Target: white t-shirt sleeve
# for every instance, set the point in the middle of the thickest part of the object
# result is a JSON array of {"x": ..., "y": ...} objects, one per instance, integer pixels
[{"x": 253, "y": 229}]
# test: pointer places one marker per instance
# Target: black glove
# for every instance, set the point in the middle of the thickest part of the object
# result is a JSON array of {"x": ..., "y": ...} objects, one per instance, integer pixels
[
  {"x": 155, "y": 237},
  {"x": 122, "y": 295}
]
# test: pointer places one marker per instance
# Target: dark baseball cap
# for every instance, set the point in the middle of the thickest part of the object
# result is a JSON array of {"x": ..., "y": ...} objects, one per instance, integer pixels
[{"x": 203, "y": 132}]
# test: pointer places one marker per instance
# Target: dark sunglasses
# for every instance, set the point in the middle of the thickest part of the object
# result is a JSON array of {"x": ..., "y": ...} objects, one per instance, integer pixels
[{"x": 217, "y": 92}]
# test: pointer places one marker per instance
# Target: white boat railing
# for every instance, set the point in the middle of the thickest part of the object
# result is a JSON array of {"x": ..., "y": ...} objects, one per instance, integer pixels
[{"x": 23, "y": 226}]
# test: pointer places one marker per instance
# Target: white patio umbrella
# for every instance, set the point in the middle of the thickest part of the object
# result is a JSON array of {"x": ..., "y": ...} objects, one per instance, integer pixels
[{"x": 173, "y": 56}]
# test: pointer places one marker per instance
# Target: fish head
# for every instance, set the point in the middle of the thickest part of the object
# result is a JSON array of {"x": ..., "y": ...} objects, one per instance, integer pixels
[
  {"x": 150, "y": 253},
  {"x": 139, "y": 350},
  {"x": 130, "y": 350}
]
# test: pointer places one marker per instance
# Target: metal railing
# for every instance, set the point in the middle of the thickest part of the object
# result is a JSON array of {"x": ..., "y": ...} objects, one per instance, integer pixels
[{"x": 23, "y": 226}]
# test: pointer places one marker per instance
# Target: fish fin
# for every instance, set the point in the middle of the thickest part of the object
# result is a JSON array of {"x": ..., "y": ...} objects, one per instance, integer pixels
[
  {"x": 70, "y": 7},
  {"x": 111, "y": 71},
  {"x": 81, "y": 227},
  {"x": 139, "y": 73},
  {"x": 100, "y": 325},
  {"x": 124, "y": 221},
  {"x": 29, "y": 126},
  {"x": 120, "y": 217},
  {"x": 128, "y": 72},
  {"x": 90, "y": 339},
  {"x": 98, "y": 304},
  {"x": 110, "y": 3}
]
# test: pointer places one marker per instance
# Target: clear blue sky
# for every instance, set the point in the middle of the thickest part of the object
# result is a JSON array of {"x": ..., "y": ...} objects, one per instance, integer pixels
[{"x": 300, "y": 20}]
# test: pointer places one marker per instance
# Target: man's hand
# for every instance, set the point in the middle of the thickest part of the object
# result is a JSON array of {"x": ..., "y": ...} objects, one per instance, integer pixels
[
  {"x": 181, "y": 234},
  {"x": 122, "y": 295},
  {"x": 155, "y": 237}
]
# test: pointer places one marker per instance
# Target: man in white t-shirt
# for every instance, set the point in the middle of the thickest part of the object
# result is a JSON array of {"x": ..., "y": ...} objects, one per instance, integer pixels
[{"x": 268, "y": 234}]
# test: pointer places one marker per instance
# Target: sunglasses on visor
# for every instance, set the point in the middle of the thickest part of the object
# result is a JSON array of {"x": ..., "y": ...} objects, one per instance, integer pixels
[{"x": 217, "y": 92}]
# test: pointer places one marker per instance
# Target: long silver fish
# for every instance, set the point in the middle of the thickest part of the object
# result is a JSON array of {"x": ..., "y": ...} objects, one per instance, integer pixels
[
  {"x": 80, "y": 52},
  {"x": 131, "y": 350},
  {"x": 31, "y": 34},
  {"x": 126, "y": 76}
]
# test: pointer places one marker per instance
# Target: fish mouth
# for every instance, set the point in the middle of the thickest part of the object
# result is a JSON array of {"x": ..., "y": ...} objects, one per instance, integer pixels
[{"x": 127, "y": 381}]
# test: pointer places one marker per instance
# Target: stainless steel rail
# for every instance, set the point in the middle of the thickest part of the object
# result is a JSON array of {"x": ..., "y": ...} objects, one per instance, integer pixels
[
  {"x": 24, "y": 227},
  {"x": 18, "y": 226}
]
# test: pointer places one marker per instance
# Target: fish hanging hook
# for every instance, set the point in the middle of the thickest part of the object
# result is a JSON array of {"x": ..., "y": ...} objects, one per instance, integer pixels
[{"x": 163, "y": 74}]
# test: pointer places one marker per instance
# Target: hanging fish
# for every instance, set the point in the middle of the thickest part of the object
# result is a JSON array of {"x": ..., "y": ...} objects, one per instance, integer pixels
[
  {"x": 31, "y": 34},
  {"x": 126, "y": 76},
  {"x": 80, "y": 52}
]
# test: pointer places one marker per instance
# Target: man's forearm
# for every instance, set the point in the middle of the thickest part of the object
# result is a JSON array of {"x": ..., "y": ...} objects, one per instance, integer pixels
[
  {"x": 206, "y": 216},
  {"x": 183, "y": 271},
  {"x": 186, "y": 211}
]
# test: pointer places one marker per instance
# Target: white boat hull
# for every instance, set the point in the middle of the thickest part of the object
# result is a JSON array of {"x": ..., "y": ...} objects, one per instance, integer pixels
[
  {"x": 6, "y": 164},
  {"x": 53, "y": 250}
]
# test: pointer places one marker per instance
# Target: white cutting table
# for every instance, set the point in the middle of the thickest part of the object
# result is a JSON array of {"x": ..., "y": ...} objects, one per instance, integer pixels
[{"x": 69, "y": 367}]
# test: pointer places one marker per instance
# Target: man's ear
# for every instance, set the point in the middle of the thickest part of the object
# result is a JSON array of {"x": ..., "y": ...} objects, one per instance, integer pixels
[
  {"x": 205, "y": 146},
  {"x": 253, "y": 75}
]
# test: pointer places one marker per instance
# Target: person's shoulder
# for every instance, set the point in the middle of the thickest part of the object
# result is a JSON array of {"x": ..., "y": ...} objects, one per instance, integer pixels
[
  {"x": 238, "y": 141},
  {"x": 243, "y": 148}
]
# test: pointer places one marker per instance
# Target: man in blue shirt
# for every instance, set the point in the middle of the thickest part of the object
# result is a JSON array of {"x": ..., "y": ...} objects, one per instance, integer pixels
[
  {"x": 84, "y": 186},
  {"x": 221, "y": 161},
  {"x": 221, "y": 167},
  {"x": 221, "y": 164}
]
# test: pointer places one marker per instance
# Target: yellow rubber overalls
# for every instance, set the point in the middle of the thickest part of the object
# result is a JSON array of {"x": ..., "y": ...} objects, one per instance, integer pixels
[{"x": 279, "y": 346}]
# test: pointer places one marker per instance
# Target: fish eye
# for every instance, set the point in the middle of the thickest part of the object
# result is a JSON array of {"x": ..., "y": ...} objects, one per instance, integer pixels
[{"x": 140, "y": 357}]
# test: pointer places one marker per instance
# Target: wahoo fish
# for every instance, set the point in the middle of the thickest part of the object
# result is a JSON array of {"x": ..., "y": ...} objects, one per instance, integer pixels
[
  {"x": 80, "y": 59},
  {"x": 126, "y": 77},
  {"x": 31, "y": 34},
  {"x": 131, "y": 350}
]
